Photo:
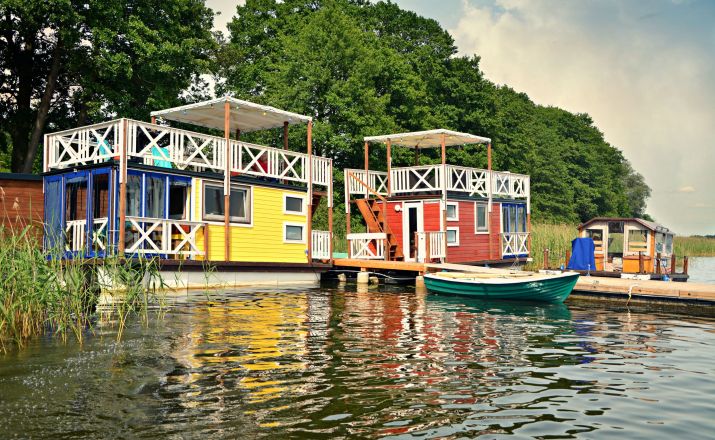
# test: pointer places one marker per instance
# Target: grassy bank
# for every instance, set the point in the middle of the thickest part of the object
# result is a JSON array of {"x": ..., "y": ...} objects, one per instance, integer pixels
[
  {"x": 40, "y": 294},
  {"x": 694, "y": 246}
]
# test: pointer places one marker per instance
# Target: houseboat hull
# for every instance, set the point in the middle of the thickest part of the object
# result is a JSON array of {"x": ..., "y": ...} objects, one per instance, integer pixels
[{"x": 539, "y": 288}]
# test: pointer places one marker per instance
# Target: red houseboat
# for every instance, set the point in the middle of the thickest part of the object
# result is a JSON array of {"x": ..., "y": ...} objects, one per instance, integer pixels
[{"x": 441, "y": 212}]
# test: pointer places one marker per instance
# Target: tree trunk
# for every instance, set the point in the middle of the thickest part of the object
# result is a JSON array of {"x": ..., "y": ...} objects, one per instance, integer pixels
[{"x": 44, "y": 108}]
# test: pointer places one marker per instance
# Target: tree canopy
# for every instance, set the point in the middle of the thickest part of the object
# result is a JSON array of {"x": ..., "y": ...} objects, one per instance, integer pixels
[{"x": 358, "y": 68}]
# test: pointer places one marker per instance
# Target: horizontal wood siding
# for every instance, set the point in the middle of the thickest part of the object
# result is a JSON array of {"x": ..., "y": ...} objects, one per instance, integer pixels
[
  {"x": 394, "y": 220},
  {"x": 472, "y": 246},
  {"x": 263, "y": 240},
  {"x": 21, "y": 203}
]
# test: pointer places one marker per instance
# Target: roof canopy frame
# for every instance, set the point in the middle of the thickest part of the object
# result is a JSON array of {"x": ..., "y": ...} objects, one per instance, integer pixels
[
  {"x": 428, "y": 139},
  {"x": 244, "y": 115}
]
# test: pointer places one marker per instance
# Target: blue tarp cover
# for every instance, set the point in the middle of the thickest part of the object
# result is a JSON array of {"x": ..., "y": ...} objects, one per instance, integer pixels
[{"x": 582, "y": 254}]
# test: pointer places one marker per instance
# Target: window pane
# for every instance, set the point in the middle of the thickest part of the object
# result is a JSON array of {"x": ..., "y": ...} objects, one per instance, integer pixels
[
  {"x": 134, "y": 195},
  {"x": 294, "y": 233},
  {"x": 155, "y": 197},
  {"x": 505, "y": 218},
  {"x": 451, "y": 211},
  {"x": 177, "y": 199},
  {"x": 481, "y": 217},
  {"x": 451, "y": 236},
  {"x": 521, "y": 217},
  {"x": 213, "y": 201},
  {"x": 512, "y": 219},
  {"x": 637, "y": 241},
  {"x": 294, "y": 204},
  {"x": 615, "y": 227},
  {"x": 238, "y": 204}
]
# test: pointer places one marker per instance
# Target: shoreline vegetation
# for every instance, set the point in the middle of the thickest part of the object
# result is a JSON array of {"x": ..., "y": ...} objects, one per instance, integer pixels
[{"x": 41, "y": 294}]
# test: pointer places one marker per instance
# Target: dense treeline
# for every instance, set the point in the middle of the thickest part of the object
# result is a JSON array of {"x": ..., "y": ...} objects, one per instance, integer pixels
[{"x": 364, "y": 69}]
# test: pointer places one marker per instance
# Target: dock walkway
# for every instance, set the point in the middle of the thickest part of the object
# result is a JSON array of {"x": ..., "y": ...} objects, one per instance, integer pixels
[{"x": 588, "y": 285}]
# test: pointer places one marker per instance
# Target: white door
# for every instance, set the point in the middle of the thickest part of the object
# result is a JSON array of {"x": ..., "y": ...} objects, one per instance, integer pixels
[{"x": 412, "y": 221}]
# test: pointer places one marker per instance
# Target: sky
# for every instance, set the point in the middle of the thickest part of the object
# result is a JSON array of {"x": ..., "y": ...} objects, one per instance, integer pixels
[{"x": 643, "y": 70}]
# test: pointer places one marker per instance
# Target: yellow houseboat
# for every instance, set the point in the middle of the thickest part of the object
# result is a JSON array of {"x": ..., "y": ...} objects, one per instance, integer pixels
[{"x": 152, "y": 189}]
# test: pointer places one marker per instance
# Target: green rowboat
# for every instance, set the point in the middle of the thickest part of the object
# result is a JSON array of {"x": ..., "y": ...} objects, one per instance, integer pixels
[{"x": 521, "y": 286}]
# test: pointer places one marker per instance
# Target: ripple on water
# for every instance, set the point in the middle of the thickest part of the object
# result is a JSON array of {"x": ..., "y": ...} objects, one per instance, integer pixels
[{"x": 322, "y": 363}]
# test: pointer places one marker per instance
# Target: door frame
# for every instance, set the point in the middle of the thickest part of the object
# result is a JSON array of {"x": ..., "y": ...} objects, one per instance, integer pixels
[{"x": 406, "y": 228}]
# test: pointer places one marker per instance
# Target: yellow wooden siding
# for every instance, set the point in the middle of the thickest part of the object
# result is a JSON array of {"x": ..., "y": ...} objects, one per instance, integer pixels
[{"x": 263, "y": 240}]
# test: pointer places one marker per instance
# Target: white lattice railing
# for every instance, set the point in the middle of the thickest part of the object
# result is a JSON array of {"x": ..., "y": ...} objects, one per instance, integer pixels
[
  {"x": 510, "y": 185},
  {"x": 174, "y": 148},
  {"x": 75, "y": 235},
  {"x": 514, "y": 243},
  {"x": 376, "y": 180},
  {"x": 169, "y": 147},
  {"x": 320, "y": 245},
  {"x": 161, "y": 236},
  {"x": 83, "y": 146},
  {"x": 431, "y": 244},
  {"x": 416, "y": 179},
  {"x": 474, "y": 181},
  {"x": 367, "y": 246}
]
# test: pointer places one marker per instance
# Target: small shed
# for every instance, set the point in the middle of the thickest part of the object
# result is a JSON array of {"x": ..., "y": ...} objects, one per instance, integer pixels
[
  {"x": 21, "y": 201},
  {"x": 620, "y": 241}
]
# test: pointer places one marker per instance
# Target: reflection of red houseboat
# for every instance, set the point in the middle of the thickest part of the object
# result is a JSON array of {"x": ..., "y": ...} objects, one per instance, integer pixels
[{"x": 438, "y": 212}]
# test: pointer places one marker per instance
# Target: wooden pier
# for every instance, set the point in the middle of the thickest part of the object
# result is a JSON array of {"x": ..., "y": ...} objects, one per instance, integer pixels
[{"x": 614, "y": 288}]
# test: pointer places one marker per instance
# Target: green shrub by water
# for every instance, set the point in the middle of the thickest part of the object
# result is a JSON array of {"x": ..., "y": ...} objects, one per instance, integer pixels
[{"x": 39, "y": 294}]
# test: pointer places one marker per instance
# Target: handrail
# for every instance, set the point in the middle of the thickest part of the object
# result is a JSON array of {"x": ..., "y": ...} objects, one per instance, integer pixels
[{"x": 350, "y": 174}]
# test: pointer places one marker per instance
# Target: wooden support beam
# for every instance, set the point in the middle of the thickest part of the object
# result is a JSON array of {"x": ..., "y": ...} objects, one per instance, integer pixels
[
  {"x": 641, "y": 262},
  {"x": 489, "y": 208},
  {"x": 389, "y": 165},
  {"x": 546, "y": 258},
  {"x": 657, "y": 266},
  {"x": 123, "y": 189},
  {"x": 685, "y": 265},
  {"x": 310, "y": 191},
  {"x": 227, "y": 181},
  {"x": 672, "y": 263},
  {"x": 367, "y": 166},
  {"x": 445, "y": 178},
  {"x": 285, "y": 135}
]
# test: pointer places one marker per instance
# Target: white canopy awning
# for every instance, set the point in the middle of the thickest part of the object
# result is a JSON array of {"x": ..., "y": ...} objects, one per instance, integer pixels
[
  {"x": 244, "y": 115},
  {"x": 429, "y": 139}
]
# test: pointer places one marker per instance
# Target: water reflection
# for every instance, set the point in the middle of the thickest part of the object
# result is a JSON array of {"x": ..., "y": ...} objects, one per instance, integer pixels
[{"x": 346, "y": 364}]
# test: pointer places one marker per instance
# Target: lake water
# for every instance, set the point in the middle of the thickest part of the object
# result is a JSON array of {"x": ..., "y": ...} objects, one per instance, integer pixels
[
  {"x": 395, "y": 364},
  {"x": 702, "y": 270}
]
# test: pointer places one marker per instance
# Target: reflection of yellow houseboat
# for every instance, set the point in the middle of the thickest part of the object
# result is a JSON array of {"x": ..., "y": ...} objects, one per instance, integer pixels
[
  {"x": 151, "y": 189},
  {"x": 629, "y": 245}
]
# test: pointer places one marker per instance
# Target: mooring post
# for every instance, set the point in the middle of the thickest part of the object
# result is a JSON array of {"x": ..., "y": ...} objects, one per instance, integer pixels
[
  {"x": 568, "y": 258},
  {"x": 672, "y": 263},
  {"x": 546, "y": 258},
  {"x": 363, "y": 278},
  {"x": 641, "y": 263},
  {"x": 657, "y": 262},
  {"x": 685, "y": 265}
]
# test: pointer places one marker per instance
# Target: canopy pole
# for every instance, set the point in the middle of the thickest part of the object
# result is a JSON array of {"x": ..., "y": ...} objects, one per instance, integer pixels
[
  {"x": 285, "y": 135},
  {"x": 444, "y": 193},
  {"x": 310, "y": 192},
  {"x": 417, "y": 155},
  {"x": 367, "y": 168},
  {"x": 489, "y": 187},
  {"x": 227, "y": 180},
  {"x": 389, "y": 166},
  {"x": 123, "y": 188}
]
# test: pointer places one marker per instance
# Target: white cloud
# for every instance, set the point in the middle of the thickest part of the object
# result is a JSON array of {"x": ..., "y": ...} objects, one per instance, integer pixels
[
  {"x": 651, "y": 93},
  {"x": 686, "y": 189}
]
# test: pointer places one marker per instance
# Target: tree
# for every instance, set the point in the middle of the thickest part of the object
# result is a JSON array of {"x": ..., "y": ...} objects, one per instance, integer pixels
[{"x": 72, "y": 62}]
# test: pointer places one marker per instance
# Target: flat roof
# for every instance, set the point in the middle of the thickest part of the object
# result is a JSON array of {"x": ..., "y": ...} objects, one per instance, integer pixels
[
  {"x": 244, "y": 115},
  {"x": 429, "y": 138}
]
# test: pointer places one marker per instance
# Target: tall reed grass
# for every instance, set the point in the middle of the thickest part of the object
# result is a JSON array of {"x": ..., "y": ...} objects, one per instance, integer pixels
[
  {"x": 694, "y": 246},
  {"x": 40, "y": 292}
]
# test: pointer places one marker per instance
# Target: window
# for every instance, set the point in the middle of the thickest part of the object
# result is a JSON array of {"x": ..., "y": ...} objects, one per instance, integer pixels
[
  {"x": 452, "y": 236},
  {"x": 134, "y": 195},
  {"x": 481, "y": 218},
  {"x": 669, "y": 244},
  {"x": 293, "y": 233},
  {"x": 637, "y": 240},
  {"x": 155, "y": 197},
  {"x": 293, "y": 205},
  {"x": 513, "y": 217},
  {"x": 597, "y": 236},
  {"x": 452, "y": 211},
  {"x": 178, "y": 192},
  {"x": 239, "y": 203}
]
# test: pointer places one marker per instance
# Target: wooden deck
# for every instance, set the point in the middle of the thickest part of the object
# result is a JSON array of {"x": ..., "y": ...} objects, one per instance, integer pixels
[
  {"x": 665, "y": 290},
  {"x": 587, "y": 285}
]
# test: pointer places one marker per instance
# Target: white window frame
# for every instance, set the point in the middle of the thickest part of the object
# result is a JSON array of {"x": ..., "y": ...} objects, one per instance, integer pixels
[
  {"x": 446, "y": 235},
  {"x": 456, "y": 211},
  {"x": 285, "y": 230},
  {"x": 294, "y": 196},
  {"x": 232, "y": 220},
  {"x": 476, "y": 217}
]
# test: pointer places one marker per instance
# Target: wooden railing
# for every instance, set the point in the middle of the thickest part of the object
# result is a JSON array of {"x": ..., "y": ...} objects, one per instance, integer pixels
[
  {"x": 514, "y": 244},
  {"x": 76, "y": 235},
  {"x": 174, "y": 148},
  {"x": 162, "y": 236},
  {"x": 83, "y": 146},
  {"x": 367, "y": 246},
  {"x": 431, "y": 245},
  {"x": 416, "y": 179},
  {"x": 358, "y": 183},
  {"x": 320, "y": 245}
]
